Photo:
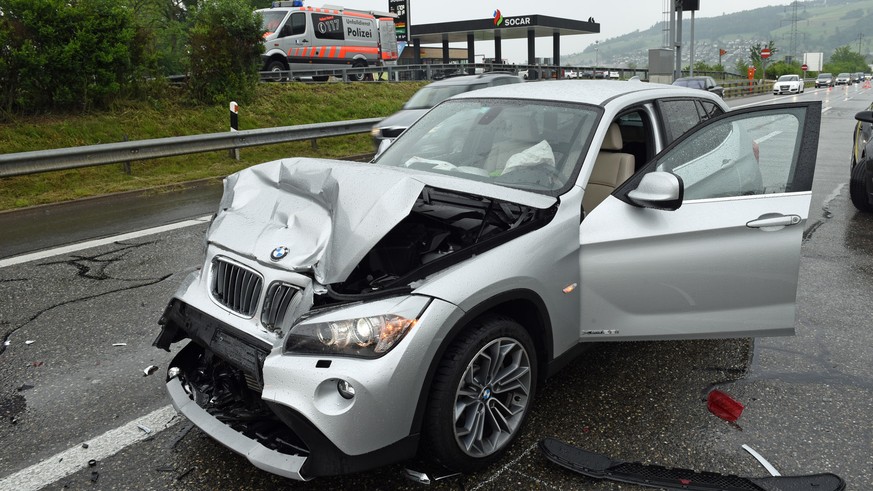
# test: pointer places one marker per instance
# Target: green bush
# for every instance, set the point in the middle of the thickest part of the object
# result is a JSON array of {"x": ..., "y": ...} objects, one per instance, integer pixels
[
  {"x": 62, "y": 54},
  {"x": 225, "y": 43}
]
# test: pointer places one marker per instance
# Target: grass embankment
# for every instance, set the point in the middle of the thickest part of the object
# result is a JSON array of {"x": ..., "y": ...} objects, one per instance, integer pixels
[{"x": 173, "y": 115}]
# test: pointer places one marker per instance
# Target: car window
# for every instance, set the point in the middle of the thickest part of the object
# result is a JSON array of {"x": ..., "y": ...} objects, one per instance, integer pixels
[
  {"x": 679, "y": 116},
  {"x": 708, "y": 109},
  {"x": 636, "y": 135},
  {"x": 521, "y": 144},
  {"x": 738, "y": 157},
  {"x": 297, "y": 23}
]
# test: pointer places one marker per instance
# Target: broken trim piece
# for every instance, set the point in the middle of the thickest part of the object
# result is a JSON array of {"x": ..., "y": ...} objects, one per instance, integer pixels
[{"x": 600, "y": 466}]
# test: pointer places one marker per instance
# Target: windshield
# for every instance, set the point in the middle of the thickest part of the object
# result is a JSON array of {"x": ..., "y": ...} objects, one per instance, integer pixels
[
  {"x": 529, "y": 145},
  {"x": 825, "y": 75},
  {"x": 430, "y": 96},
  {"x": 270, "y": 19},
  {"x": 788, "y": 78}
]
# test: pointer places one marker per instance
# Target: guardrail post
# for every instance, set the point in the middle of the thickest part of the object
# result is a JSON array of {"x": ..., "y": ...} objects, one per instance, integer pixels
[
  {"x": 126, "y": 165},
  {"x": 234, "y": 126}
]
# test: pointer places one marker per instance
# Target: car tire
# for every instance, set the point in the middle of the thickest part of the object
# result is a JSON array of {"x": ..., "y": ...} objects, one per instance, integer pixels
[
  {"x": 461, "y": 430},
  {"x": 358, "y": 77},
  {"x": 277, "y": 67},
  {"x": 858, "y": 187}
]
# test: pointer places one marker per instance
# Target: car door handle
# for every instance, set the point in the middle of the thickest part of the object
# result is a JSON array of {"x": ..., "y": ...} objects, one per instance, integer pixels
[{"x": 773, "y": 221}]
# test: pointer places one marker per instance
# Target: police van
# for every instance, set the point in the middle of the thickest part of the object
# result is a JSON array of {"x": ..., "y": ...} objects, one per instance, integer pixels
[{"x": 330, "y": 37}]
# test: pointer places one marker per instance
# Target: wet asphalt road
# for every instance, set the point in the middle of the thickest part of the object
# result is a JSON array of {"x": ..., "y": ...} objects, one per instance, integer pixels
[{"x": 808, "y": 398}]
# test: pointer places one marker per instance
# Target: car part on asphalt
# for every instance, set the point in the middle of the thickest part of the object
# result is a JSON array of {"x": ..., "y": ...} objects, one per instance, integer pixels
[
  {"x": 760, "y": 458},
  {"x": 723, "y": 406},
  {"x": 600, "y": 466},
  {"x": 429, "y": 476}
]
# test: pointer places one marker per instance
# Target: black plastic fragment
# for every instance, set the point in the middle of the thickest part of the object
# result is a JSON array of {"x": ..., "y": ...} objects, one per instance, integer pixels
[
  {"x": 600, "y": 466},
  {"x": 94, "y": 476},
  {"x": 182, "y": 475}
]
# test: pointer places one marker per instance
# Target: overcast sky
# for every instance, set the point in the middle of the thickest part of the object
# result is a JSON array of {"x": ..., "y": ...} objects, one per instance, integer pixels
[{"x": 616, "y": 17}]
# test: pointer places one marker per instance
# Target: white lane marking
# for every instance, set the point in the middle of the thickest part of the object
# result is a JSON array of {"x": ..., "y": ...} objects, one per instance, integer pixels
[
  {"x": 76, "y": 458},
  {"x": 25, "y": 258},
  {"x": 825, "y": 109},
  {"x": 768, "y": 136}
]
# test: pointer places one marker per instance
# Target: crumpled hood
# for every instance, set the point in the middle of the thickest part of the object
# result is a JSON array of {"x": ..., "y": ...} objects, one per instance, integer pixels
[{"x": 328, "y": 214}]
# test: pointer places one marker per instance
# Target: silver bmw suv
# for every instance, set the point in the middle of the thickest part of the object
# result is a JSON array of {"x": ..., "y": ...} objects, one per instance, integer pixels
[{"x": 351, "y": 315}]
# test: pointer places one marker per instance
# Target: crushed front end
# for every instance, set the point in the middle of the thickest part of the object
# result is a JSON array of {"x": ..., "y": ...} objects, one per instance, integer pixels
[{"x": 307, "y": 343}]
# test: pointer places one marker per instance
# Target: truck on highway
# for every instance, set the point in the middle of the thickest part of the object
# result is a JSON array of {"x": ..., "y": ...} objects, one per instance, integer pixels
[{"x": 331, "y": 37}]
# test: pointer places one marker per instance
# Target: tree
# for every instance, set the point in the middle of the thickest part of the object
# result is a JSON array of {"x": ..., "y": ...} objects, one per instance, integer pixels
[
  {"x": 755, "y": 52},
  {"x": 63, "y": 54},
  {"x": 844, "y": 60},
  {"x": 225, "y": 43},
  {"x": 741, "y": 66}
]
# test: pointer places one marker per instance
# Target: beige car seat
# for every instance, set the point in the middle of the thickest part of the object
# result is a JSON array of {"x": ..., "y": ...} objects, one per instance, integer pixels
[{"x": 611, "y": 168}]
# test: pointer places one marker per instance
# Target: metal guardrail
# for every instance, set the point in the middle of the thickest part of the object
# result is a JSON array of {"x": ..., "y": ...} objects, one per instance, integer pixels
[
  {"x": 16, "y": 164},
  {"x": 429, "y": 71}
]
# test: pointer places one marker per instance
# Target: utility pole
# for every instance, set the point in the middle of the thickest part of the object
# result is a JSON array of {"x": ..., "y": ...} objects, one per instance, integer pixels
[{"x": 861, "y": 35}]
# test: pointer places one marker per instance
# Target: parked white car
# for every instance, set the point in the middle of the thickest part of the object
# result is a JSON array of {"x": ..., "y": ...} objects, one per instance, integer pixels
[{"x": 788, "y": 84}]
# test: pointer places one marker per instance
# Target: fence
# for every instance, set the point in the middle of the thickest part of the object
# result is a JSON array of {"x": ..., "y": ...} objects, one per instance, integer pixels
[{"x": 16, "y": 164}]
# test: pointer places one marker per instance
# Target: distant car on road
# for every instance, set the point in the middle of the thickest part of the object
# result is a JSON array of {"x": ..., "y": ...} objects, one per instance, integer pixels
[
  {"x": 788, "y": 84},
  {"x": 843, "y": 79},
  {"x": 431, "y": 95},
  {"x": 703, "y": 83},
  {"x": 858, "y": 77},
  {"x": 824, "y": 80},
  {"x": 861, "y": 181}
]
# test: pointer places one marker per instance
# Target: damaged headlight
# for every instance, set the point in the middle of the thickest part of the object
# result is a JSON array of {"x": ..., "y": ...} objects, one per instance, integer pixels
[{"x": 367, "y": 336}]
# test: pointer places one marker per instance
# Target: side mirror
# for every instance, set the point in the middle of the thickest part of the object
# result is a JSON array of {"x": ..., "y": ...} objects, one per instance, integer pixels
[
  {"x": 658, "y": 190},
  {"x": 865, "y": 116}
]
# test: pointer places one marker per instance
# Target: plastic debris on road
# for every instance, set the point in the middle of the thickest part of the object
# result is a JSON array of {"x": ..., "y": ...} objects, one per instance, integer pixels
[
  {"x": 724, "y": 406},
  {"x": 149, "y": 370},
  {"x": 119, "y": 344},
  {"x": 29, "y": 342},
  {"x": 145, "y": 429}
]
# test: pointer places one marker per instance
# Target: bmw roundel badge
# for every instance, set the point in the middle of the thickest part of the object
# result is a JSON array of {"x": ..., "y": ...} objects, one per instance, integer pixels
[{"x": 278, "y": 253}]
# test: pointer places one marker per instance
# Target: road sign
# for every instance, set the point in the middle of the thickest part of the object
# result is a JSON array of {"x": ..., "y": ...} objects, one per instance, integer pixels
[
  {"x": 804, "y": 67},
  {"x": 765, "y": 53}
]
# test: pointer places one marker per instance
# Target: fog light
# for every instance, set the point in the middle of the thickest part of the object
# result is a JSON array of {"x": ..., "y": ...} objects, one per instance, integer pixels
[
  {"x": 173, "y": 372},
  {"x": 345, "y": 389}
]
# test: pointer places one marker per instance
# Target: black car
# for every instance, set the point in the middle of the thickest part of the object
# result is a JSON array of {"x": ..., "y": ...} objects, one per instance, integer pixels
[
  {"x": 861, "y": 181},
  {"x": 702, "y": 83}
]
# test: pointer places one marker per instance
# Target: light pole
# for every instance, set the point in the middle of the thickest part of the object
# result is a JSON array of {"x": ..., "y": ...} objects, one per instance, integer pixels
[{"x": 595, "y": 54}]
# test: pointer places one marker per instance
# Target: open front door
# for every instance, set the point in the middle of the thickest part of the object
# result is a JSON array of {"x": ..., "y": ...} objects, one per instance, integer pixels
[{"x": 725, "y": 263}]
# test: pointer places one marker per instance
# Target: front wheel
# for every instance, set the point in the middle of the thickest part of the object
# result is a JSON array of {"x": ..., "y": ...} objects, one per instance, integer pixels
[
  {"x": 276, "y": 68},
  {"x": 481, "y": 395},
  {"x": 858, "y": 187}
]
